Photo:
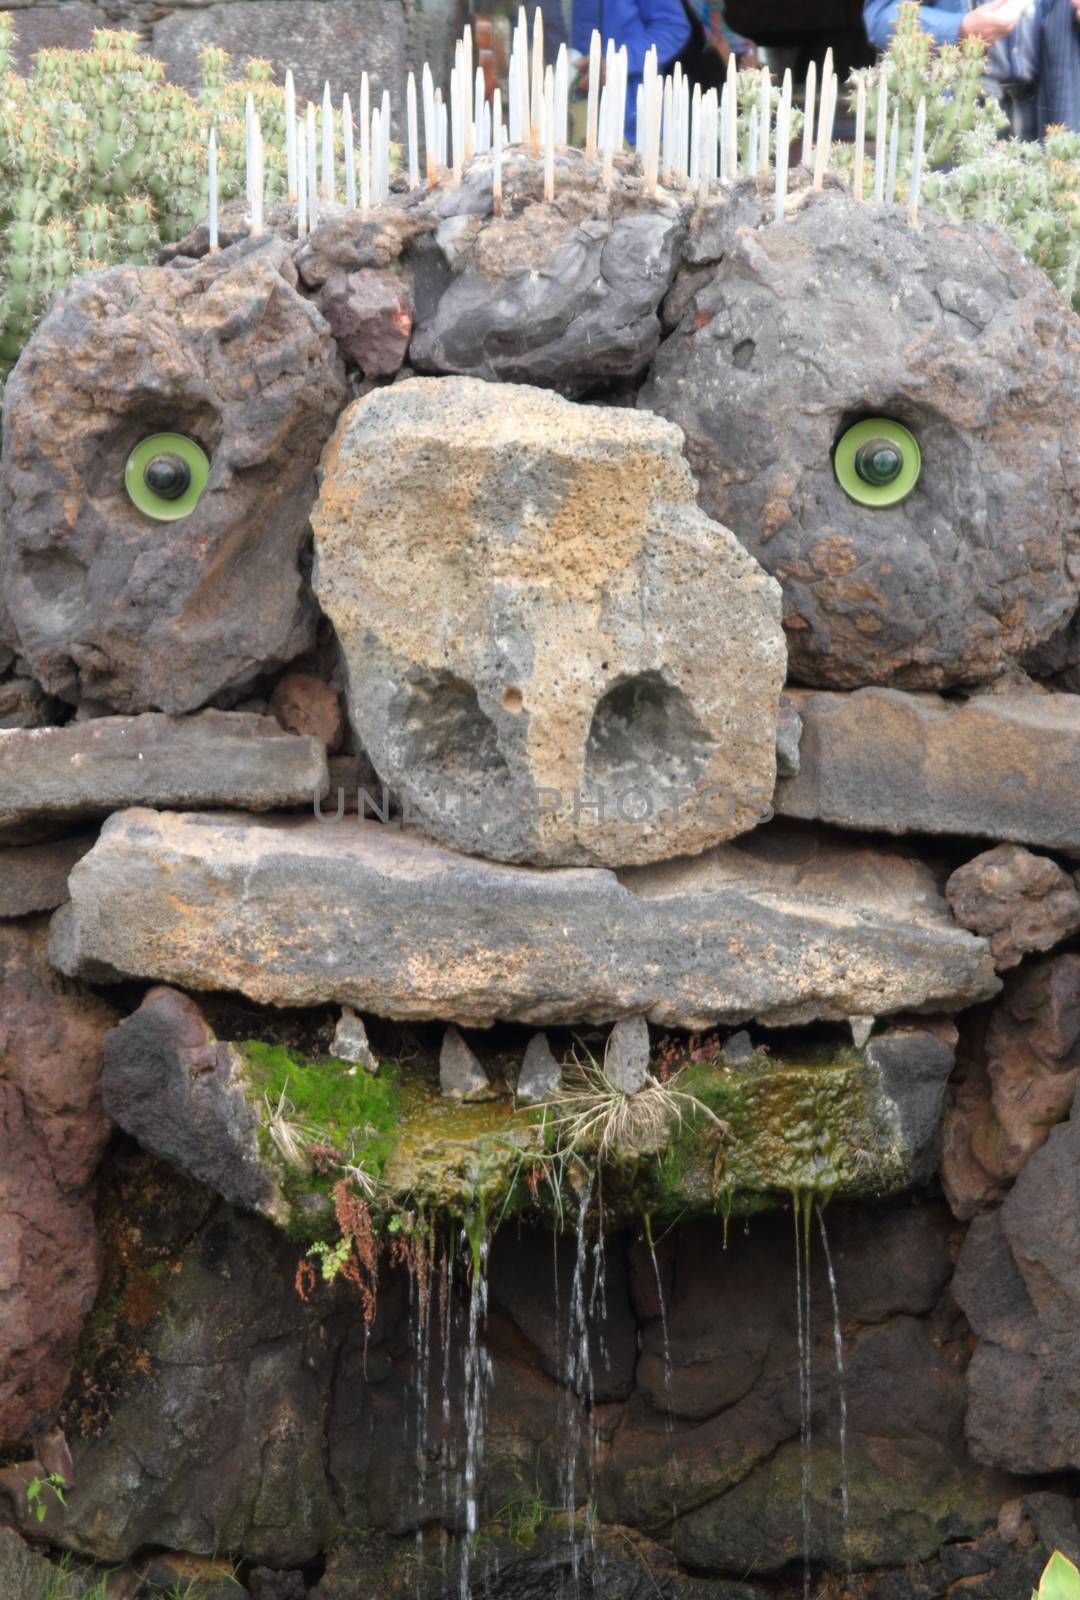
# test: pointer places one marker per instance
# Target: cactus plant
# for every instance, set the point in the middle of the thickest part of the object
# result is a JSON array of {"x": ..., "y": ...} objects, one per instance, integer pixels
[{"x": 104, "y": 161}]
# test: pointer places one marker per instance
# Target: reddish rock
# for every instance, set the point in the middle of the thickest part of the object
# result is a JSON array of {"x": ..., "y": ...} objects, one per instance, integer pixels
[
  {"x": 370, "y": 315},
  {"x": 305, "y": 705},
  {"x": 52, "y": 1132},
  {"x": 1020, "y": 1060},
  {"x": 1019, "y": 901}
]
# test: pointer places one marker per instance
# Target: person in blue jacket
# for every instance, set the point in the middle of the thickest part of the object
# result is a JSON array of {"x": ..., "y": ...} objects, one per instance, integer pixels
[
  {"x": 948, "y": 21},
  {"x": 637, "y": 24}
]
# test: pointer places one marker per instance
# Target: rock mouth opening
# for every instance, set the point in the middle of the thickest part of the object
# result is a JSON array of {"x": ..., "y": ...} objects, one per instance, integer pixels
[
  {"x": 644, "y": 734},
  {"x": 445, "y": 735}
]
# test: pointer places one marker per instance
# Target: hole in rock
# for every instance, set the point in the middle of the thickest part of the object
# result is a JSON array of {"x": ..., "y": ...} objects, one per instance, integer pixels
[
  {"x": 645, "y": 736},
  {"x": 444, "y": 733},
  {"x": 743, "y": 353},
  {"x": 511, "y": 699}
]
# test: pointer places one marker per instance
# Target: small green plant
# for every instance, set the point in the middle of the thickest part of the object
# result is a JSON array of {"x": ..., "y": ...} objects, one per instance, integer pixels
[
  {"x": 594, "y": 1117},
  {"x": 38, "y": 1491},
  {"x": 1060, "y": 1580}
]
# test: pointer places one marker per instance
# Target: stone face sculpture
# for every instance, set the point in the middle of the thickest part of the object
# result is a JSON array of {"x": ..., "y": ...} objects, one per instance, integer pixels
[
  {"x": 553, "y": 655},
  {"x": 113, "y": 598},
  {"x": 845, "y": 314}
]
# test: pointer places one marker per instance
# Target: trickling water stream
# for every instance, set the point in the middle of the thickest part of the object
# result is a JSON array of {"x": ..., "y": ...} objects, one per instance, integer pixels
[
  {"x": 838, "y": 1346},
  {"x": 801, "y": 1211},
  {"x": 478, "y": 1373},
  {"x": 578, "y": 1378}
]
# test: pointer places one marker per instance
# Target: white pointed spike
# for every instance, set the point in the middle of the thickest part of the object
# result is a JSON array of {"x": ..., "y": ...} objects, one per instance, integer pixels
[
  {"x": 249, "y": 118},
  {"x": 639, "y": 121},
  {"x": 525, "y": 80},
  {"x": 894, "y": 145},
  {"x": 731, "y": 126},
  {"x": 808, "y": 114},
  {"x": 497, "y": 149},
  {"x": 212, "y": 193},
  {"x": 442, "y": 121},
  {"x": 349, "y": 152},
  {"x": 384, "y": 148},
  {"x": 881, "y": 134},
  {"x": 752, "y": 143},
  {"x": 562, "y": 97},
  {"x": 290, "y": 136},
  {"x": 468, "y": 137},
  {"x": 683, "y": 163},
  {"x": 479, "y": 101},
  {"x": 365, "y": 143},
  {"x": 668, "y": 140},
  {"x": 327, "y": 145},
  {"x": 549, "y": 134},
  {"x": 301, "y": 183},
  {"x": 860, "y": 139},
  {"x": 513, "y": 96},
  {"x": 413, "y": 131},
  {"x": 764, "y": 122},
  {"x": 620, "y": 99},
  {"x": 376, "y": 157},
  {"x": 431, "y": 163},
  {"x": 485, "y": 141},
  {"x": 695, "y": 135},
  {"x": 825, "y": 129},
  {"x": 258, "y": 179},
  {"x": 457, "y": 132},
  {"x": 721, "y": 133},
  {"x": 536, "y": 129},
  {"x": 917, "y": 163},
  {"x": 783, "y": 140},
  {"x": 312, "y": 170},
  {"x": 593, "y": 107}
]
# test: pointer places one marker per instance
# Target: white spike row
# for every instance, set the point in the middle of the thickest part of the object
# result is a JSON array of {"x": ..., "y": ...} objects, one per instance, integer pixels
[
  {"x": 413, "y": 131},
  {"x": 695, "y": 135},
  {"x": 457, "y": 133},
  {"x": 602, "y": 120},
  {"x": 752, "y": 144},
  {"x": 894, "y": 147},
  {"x": 349, "y": 152},
  {"x": 710, "y": 143},
  {"x": 825, "y": 129},
  {"x": 721, "y": 136},
  {"x": 562, "y": 97},
  {"x": 290, "y": 136},
  {"x": 443, "y": 125},
  {"x": 212, "y": 193},
  {"x": 917, "y": 163},
  {"x": 497, "y": 150},
  {"x": 327, "y": 186},
  {"x": 667, "y": 141},
  {"x": 365, "y": 143},
  {"x": 783, "y": 142},
  {"x": 427, "y": 100},
  {"x": 593, "y": 105},
  {"x": 881, "y": 134},
  {"x": 468, "y": 142},
  {"x": 684, "y": 146},
  {"x": 650, "y": 114},
  {"x": 731, "y": 122},
  {"x": 860, "y": 139},
  {"x": 809, "y": 99},
  {"x": 536, "y": 123},
  {"x": 616, "y": 114},
  {"x": 479, "y": 99},
  {"x": 764, "y": 122},
  {"x": 311, "y": 158},
  {"x": 549, "y": 133},
  {"x": 524, "y": 85},
  {"x": 301, "y": 182}
]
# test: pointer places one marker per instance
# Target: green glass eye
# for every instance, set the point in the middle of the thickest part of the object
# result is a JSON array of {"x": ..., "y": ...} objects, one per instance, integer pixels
[
  {"x": 878, "y": 462},
  {"x": 165, "y": 476}
]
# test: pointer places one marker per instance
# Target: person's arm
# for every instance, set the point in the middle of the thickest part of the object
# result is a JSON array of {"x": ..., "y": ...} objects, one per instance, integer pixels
[
  {"x": 638, "y": 24},
  {"x": 941, "y": 22}
]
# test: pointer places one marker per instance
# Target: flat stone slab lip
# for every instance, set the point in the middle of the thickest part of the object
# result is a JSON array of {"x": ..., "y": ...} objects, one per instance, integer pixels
[{"x": 294, "y": 912}]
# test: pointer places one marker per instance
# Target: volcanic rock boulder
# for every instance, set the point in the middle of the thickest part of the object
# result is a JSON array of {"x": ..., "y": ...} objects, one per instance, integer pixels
[
  {"x": 110, "y": 603},
  {"x": 780, "y": 926},
  {"x": 52, "y": 1133},
  {"x": 1018, "y": 1283},
  {"x": 844, "y": 313},
  {"x": 1019, "y": 901},
  {"x": 553, "y": 656}
]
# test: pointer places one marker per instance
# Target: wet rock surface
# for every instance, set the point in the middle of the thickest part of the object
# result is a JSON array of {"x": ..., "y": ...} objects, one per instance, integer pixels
[
  {"x": 558, "y": 660},
  {"x": 782, "y": 926},
  {"x": 109, "y": 604},
  {"x": 844, "y": 313},
  {"x": 52, "y": 1134},
  {"x": 55, "y": 776},
  {"x": 997, "y": 766}
]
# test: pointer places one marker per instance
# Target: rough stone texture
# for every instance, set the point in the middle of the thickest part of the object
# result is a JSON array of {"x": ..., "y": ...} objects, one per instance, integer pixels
[
  {"x": 69, "y": 26},
  {"x": 626, "y": 1055},
  {"x": 291, "y": 911},
  {"x": 370, "y": 316},
  {"x": 788, "y": 738},
  {"x": 171, "y": 1084},
  {"x": 563, "y": 294},
  {"x": 34, "y": 877},
  {"x": 24, "y": 704},
  {"x": 1019, "y": 901},
  {"x": 52, "y": 1133},
  {"x": 461, "y": 1077},
  {"x": 351, "y": 1042},
  {"x": 1059, "y": 658},
  {"x": 557, "y": 630},
  {"x": 1020, "y": 1061},
  {"x": 321, "y": 40},
  {"x": 305, "y": 705},
  {"x": 108, "y": 604},
  {"x": 846, "y": 312},
  {"x": 999, "y": 766},
  {"x": 230, "y": 758},
  {"x": 540, "y": 1078},
  {"x": 1018, "y": 1283},
  {"x": 23, "y": 1574},
  {"x": 915, "y": 1065}
]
